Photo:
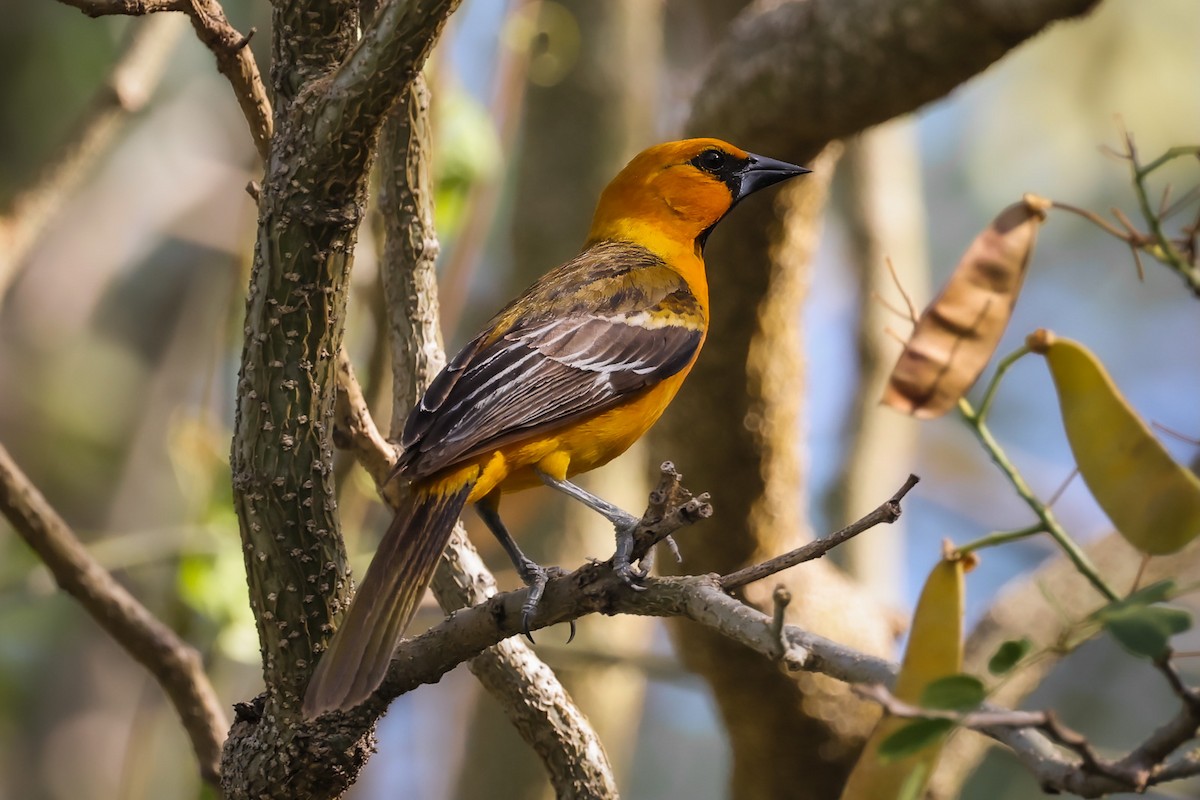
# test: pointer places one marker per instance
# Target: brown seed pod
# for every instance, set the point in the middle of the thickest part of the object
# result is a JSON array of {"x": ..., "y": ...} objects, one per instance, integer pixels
[{"x": 957, "y": 334}]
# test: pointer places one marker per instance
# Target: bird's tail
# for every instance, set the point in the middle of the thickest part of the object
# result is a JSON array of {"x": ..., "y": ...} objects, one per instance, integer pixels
[{"x": 357, "y": 657}]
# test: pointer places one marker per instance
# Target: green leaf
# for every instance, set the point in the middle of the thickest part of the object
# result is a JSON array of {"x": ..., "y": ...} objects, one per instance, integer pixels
[
  {"x": 1008, "y": 655},
  {"x": 1148, "y": 595},
  {"x": 1146, "y": 630},
  {"x": 954, "y": 693},
  {"x": 913, "y": 737}
]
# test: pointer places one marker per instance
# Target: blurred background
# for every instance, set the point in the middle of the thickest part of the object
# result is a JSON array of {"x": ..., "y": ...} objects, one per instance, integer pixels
[{"x": 120, "y": 333}]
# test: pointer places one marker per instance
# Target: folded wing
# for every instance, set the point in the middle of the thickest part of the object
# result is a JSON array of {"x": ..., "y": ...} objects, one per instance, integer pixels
[{"x": 542, "y": 373}]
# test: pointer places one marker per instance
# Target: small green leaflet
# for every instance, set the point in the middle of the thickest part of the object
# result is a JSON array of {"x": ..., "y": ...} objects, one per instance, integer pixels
[
  {"x": 1142, "y": 628},
  {"x": 1008, "y": 655},
  {"x": 913, "y": 737},
  {"x": 954, "y": 693},
  {"x": 1147, "y": 630}
]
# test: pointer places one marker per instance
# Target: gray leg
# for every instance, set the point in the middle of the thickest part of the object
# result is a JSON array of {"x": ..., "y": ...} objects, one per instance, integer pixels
[
  {"x": 532, "y": 574},
  {"x": 624, "y": 522}
]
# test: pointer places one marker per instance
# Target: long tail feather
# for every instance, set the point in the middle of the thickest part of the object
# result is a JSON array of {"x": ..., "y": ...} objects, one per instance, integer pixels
[{"x": 357, "y": 657}]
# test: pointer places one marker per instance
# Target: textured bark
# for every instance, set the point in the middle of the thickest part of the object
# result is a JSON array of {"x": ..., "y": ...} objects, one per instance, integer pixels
[
  {"x": 410, "y": 251},
  {"x": 310, "y": 206}
]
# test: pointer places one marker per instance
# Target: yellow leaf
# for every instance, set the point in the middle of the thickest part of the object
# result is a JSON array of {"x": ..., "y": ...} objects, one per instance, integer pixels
[
  {"x": 934, "y": 651},
  {"x": 960, "y": 330},
  {"x": 1153, "y": 501}
]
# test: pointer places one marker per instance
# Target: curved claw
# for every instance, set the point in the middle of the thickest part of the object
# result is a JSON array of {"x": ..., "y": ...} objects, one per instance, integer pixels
[
  {"x": 571, "y": 636},
  {"x": 622, "y": 563},
  {"x": 535, "y": 577},
  {"x": 629, "y": 576}
]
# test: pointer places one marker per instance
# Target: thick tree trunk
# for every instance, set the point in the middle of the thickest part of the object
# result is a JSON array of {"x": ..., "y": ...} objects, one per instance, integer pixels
[
  {"x": 789, "y": 78},
  {"x": 332, "y": 90}
]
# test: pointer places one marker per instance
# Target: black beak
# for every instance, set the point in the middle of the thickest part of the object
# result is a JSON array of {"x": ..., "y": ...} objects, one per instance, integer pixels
[{"x": 761, "y": 172}]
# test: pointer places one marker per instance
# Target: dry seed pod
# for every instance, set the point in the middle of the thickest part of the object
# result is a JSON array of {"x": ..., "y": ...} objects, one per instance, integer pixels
[
  {"x": 934, "y": 651},
  {"x": 1153, "y": 501},
  {"x": 958, "y": 333}
]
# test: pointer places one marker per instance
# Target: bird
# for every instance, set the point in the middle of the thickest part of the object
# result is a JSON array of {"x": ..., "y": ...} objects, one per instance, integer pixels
[{"x": 562, "y": 380}]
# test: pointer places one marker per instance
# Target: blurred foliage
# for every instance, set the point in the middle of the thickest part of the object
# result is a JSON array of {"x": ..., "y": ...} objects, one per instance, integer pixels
[
  {"x": 46, "y": 48},
  {"x": 466, "y": 153}
]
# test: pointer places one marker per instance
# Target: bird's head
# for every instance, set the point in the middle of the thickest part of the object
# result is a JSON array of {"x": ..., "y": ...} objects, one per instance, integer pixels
[{"x": 682, "y": 190}]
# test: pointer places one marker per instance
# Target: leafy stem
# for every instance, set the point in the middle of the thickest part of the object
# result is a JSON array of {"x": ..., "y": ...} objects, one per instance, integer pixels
[
  {"x": 1002, "y": 537},
  {"x": 1165, "y": 249},
  {"x": 1047, "y": 520}
]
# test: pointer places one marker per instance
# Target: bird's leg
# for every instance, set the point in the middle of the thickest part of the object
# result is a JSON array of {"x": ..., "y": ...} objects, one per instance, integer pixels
[
  {"x": 532, "y": 574},
  {"x": 624, "y": 522}
]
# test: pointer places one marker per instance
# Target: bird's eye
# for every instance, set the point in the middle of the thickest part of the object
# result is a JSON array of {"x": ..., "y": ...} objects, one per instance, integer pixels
[{"x": 711, "y": 160}]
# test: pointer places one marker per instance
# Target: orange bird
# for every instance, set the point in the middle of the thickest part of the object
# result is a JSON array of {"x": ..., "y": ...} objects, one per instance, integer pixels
[{"x": 564, "y": 379}]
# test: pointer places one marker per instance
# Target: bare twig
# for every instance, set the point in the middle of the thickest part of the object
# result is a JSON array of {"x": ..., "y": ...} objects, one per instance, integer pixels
[
  {"x": 594, "y": 587},
  {"x": 1095, "y": 219},
  {"x": 133, "y": 8},
  {"x": 887, "y": 513},
  {"x": 174, "y": 664},
  {"x": 781, "y": 598},
  {"x": 234, "y": 59},
  {"x": 127, "y": 88},
  {"x": 1062, "y": 487},
  {"x": 1178, "y": 254},
  {"x": 912, "y": 314}
]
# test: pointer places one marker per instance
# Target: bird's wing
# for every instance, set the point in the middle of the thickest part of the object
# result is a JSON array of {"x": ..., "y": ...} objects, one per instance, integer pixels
[{"x": 548, "y": 370}]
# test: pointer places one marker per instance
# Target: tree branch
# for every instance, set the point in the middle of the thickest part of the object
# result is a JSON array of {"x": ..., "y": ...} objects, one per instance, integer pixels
[
  {"x": 795, "y": 91},
  {"x": 887, "y": 513},
  {"x": 593, "y": 588},
  {"x": 346, "y": 110},
  {"x": 174, "y": 664},
  {"x": 234, "y": 59}
]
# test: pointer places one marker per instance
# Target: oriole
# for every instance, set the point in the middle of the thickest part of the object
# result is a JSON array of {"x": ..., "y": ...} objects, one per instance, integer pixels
[{"x": 562, "y": 380}]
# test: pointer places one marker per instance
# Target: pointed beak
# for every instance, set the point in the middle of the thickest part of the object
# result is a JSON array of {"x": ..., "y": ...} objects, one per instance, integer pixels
[{"x": 762, "y": 172}]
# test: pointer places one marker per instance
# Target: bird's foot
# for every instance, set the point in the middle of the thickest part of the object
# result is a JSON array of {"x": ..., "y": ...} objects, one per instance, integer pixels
[
  {"x": 622, "y": 561},
  {"x": 536, "y": 577}
]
